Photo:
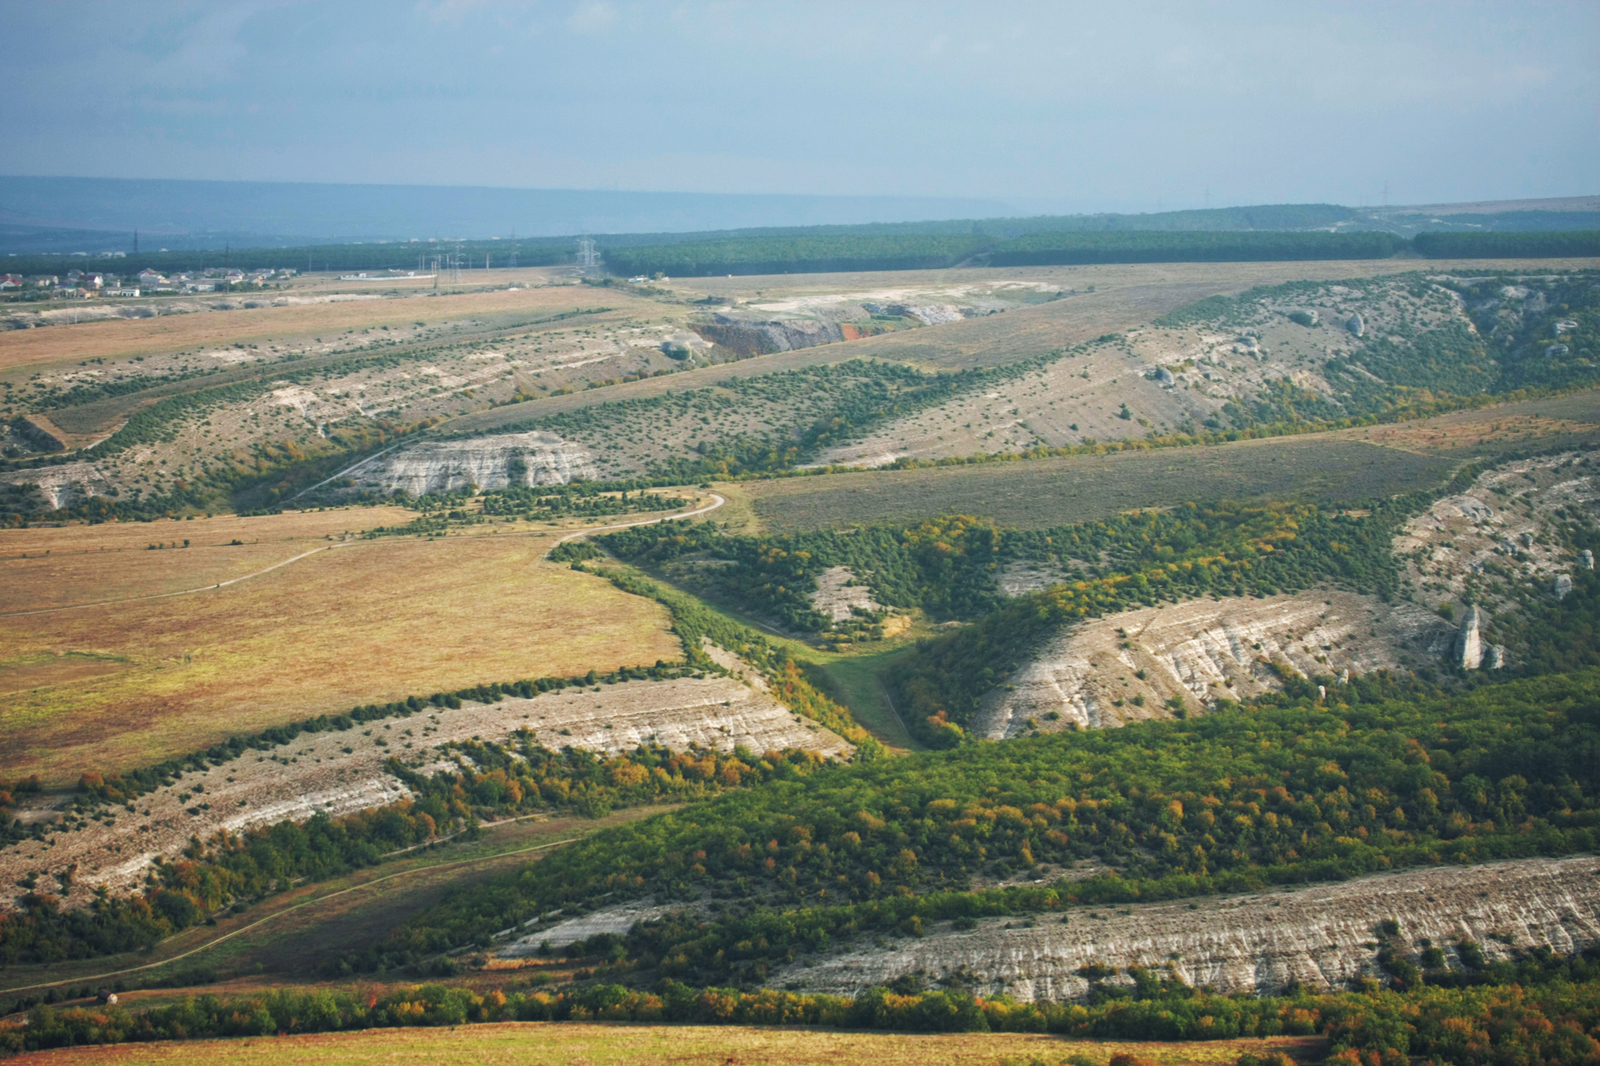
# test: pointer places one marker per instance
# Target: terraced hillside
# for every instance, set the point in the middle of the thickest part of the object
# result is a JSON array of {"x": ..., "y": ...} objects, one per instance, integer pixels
[
  {"x": 259, "y": 402},
  {"x": 1287, "y": 355},
  {"x": 1301, "y": 351}
]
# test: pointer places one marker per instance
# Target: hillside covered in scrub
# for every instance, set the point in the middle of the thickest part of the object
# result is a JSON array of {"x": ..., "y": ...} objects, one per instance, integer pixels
[{"x": 1285, "y": 791}]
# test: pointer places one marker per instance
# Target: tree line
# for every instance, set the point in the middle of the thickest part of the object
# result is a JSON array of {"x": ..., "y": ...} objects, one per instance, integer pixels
[
  {"x": 237, "y": 868},
  {"x": 1291, "y": 789},
  {"x": 1544, "y": 1010},
  {"x": 897, "y": 251}
]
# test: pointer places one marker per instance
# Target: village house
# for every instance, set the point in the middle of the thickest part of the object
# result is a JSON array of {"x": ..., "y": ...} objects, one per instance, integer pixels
[{"x": 10, "y": 281}]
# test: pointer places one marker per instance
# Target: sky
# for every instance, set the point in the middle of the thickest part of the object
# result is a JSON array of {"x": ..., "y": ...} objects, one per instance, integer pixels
[{"x": 1065, "y": 107}]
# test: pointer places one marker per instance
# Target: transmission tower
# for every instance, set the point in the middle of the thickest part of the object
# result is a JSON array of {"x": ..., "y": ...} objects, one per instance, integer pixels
[{"x": 587, "y": 258}]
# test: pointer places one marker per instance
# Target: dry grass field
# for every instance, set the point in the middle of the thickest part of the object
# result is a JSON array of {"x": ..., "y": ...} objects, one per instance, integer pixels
[
  {"x": 1338, "y": 467},
  {"x": 1048, "y": 492},
  {"x": 589, "y": 1044},
  {"x": 53, "y": 566},
  {"x": 367, "y": 621},
  {"x": 319, "y": 316},
  {"x": 1549, "y": 422}
]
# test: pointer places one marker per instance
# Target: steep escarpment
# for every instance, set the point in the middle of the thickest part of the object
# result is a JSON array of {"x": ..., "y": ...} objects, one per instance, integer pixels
[
  {"x": 1470, "y": 562},
  {"x": 1325, "y": 936},
  {"x": 509, "y": 460},
  {"x": 337, "y": 772},
  {"x": 1129, "y": 666}
]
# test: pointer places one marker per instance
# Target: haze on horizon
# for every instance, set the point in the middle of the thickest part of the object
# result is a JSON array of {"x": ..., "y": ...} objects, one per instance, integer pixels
[{"x": 1043, "y": 107}]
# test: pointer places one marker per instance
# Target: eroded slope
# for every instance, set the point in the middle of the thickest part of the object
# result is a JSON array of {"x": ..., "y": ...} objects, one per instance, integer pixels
[{"x": 1325, "y": 936}]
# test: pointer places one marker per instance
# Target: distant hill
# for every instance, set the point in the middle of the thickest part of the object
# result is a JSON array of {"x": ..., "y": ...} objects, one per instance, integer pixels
[
  {"x": 208, "y": 214},
  {"x": 93, "y": 215}
]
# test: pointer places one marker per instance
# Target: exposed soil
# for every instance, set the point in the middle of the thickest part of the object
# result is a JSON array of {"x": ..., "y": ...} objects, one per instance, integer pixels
[{"x": 837, "y": 599}]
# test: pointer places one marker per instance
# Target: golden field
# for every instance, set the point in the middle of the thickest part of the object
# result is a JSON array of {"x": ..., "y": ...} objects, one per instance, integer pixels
[
  {"x": 585, "y": 1044},
  {"x": 127, "y": 683}
]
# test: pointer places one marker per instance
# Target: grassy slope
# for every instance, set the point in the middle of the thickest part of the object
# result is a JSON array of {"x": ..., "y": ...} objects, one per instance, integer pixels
[
  {"x": 289, "y": 935},
  {"x": 316, "y": 636},
  {"x": 1335, "y": 468}
]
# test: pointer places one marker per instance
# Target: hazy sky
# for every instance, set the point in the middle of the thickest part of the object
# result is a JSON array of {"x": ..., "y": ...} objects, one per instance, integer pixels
[{"x": 1102, "y": 106}]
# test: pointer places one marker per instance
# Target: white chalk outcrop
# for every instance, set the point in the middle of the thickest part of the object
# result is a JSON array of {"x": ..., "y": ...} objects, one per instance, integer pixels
[
  {"x": 507, "y": 460},
  {"x": 1323, "y": 936},
  {"x": 341, "y": 772},
  {"x": 1201, "y": 650},
  {"x": 837, "y": 599}
]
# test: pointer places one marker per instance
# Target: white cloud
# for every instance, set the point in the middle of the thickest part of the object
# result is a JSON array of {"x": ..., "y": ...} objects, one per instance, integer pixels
[{"x": 591, "y": 17}]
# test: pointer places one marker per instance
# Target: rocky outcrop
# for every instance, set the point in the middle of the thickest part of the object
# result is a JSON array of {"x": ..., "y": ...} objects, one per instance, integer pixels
[
  {"x": 616, "y": 920},
  {"x": 929, "y": 314},
  {"x": 838, "y": 596},
  {"x": 1469, "y": 641},
  {"x": 1563, "y": 586},
  {"x": 64, "y": 485},
  {"x": 337, "y": 773},
  {"x": 1128, "y": 666},
  {"x": 505, "y": 461},
  {"x": 764, "y": 338},
  {"x": 1586, "y": 559},
  {"x": 1325, "y": 936},
  {"x": 1356, "y": 324}
]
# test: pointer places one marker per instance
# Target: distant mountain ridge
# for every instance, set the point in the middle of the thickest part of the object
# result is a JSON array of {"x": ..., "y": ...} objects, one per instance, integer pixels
[
  {"x": 195, "y": 214},
  {"x": 72, "y": 215}
]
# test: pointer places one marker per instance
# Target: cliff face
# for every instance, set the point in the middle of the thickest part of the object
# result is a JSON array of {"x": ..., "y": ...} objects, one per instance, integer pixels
[
  {"x": 504, "y": 461},
  {"x": 1201, "y": 650},
  {"x": 1324, "y": 936},
  {"x": 747, "y": 337}
]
